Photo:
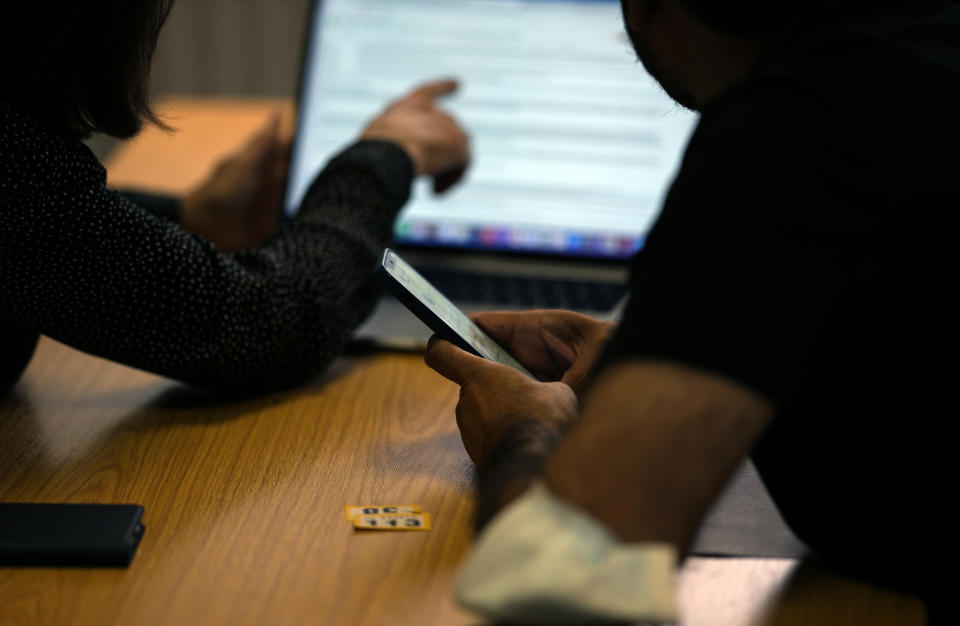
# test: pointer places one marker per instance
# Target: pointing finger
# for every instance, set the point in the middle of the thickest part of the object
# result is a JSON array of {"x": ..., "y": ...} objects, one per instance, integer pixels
[{"x": 436, "y": 89}]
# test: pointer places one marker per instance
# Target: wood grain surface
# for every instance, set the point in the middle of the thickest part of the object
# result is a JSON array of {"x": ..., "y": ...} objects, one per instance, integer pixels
[
  {"x": 244, "y": 505},
  {"x": 244, "y": 497}
]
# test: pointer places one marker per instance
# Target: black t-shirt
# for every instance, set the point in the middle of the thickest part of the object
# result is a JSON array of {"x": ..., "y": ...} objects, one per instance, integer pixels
[{"x": 804, "y": 251}]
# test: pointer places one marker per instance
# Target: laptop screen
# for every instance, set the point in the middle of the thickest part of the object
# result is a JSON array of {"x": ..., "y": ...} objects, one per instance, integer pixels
[{"x": 574, "y": 145}]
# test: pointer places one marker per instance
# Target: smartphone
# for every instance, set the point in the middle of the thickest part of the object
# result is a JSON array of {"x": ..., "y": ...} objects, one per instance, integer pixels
[
  {"x": 436, "y": 311},
  {"x": 65, "y": 535}
]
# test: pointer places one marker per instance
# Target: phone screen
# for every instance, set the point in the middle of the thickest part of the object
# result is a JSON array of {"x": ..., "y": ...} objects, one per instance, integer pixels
[{"x": 448, "y": 313}]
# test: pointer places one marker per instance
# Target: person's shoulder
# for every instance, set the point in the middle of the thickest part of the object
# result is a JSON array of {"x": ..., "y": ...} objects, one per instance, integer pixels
[
  {"x": 872, "y": 98},
  {"x": 876, "y": 63},
  {"x": 34, "y": 156},
  {"x": 47, "y": 180},
  {"x": 757, "y": 138},
  {"x": 776, "y": 109},
  {"x": 858, "y": 73}
]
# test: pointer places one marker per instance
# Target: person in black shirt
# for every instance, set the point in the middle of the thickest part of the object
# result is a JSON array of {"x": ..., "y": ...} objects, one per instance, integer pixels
[
  {"x": 792, "y": 302},
  {"x": 208, "y": 291}
]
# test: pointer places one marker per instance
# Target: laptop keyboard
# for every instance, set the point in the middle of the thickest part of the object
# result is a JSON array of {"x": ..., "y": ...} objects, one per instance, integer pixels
[{"x": 525, "y": 291}]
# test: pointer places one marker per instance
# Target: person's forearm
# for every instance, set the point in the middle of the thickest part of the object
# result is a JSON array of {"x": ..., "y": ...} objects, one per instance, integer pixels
[
  {"x": 360, "y": 192},
  {"x": 161, "y": 205},
  {"x": 655, "y": 445},
  {"x": 141, "y": 291}
]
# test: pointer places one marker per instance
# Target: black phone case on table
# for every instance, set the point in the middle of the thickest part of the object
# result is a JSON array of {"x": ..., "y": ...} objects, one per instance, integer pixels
[{"x": 69, "y": 535}]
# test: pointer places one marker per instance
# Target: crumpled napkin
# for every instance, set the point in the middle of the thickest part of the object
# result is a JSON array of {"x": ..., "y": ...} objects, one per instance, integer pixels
[{"x": 542, "y": 559}]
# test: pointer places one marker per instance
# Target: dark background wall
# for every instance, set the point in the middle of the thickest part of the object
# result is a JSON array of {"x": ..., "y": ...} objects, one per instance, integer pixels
[{"x": 245, "y": 47}]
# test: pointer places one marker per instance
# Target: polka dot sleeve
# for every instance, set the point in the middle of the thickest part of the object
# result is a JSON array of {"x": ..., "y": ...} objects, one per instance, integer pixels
[{"x": 90, "y": 268}]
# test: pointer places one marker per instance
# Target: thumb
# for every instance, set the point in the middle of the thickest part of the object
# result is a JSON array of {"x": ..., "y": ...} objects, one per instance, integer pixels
[
  {"x": 452, "y": 363},
  {"x": 582, "y": 368},
  {"x": 261, "y": 148}
]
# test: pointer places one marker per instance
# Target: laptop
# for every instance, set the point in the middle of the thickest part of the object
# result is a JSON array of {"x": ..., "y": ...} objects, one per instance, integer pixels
[{"x": 574, "y": 145}]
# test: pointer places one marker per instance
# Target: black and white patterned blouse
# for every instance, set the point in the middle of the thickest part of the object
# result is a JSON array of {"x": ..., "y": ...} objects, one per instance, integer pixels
[{"x": 87, "y": 266}]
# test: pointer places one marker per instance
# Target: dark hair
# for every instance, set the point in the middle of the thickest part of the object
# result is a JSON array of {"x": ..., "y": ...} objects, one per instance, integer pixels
[
  {"x": 81, "y": 66},
  {"x": 771, "y": 18}
]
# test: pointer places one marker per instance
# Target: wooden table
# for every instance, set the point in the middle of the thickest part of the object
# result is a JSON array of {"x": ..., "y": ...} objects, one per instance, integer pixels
[{"x": 244, "y": 499}]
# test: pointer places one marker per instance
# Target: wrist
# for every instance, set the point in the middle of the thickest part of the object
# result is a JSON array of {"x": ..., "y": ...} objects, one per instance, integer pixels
[
  {"x": 410, "y": 149},
  {"x": 193, "y": 218},
  {"x": 512, "y": 464}
]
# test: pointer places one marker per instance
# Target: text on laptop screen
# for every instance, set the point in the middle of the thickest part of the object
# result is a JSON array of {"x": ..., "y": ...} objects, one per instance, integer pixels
[{"x": 574, "y": 145}]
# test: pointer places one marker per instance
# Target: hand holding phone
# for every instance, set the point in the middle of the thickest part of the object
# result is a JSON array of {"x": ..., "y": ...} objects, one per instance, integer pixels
[{"x": 442, "y": 316}]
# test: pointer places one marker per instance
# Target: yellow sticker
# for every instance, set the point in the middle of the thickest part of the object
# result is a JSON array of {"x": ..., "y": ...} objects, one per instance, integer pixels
[
  {"x": 393, "y": 521},
  {"x": 353, "y": 511}
]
